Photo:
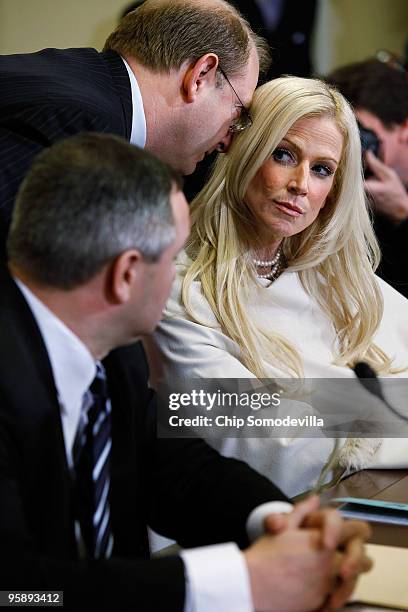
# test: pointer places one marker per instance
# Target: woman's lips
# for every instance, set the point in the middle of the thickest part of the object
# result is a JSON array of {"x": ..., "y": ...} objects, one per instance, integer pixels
[{"x": 290, "y": 209}]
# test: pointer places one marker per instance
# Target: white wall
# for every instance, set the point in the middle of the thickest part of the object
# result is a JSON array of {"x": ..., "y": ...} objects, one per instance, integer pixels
[
  {"x": 30, "y": 25},
  {"x": 352, "y": 30}
]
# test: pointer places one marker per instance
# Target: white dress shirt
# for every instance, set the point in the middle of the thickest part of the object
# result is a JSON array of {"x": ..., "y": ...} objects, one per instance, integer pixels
[
  {"x": 72, "y": 365},
  {"x": 138, "y": 133},
  {"x": 217, "y": 576}
]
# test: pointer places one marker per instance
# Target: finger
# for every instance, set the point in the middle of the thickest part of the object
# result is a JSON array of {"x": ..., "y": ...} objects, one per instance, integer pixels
[
  {"x": 355, "y": 561},
  {"x": 373, "y": 186},
  {"x": 337, "y": 581},
  {"x": 352, "y": 539},
  {"x": 352, "y": 529},
  {"x": 301, "y": 510},
  {"x": 276, "y": 523},
  {"x": 377, "y": 167},
  {"x": 367, "y": 564},
  {"x": 331, "y": 525},
  {"x": 353, "y": 555},
  {"x": 342, "y": 593}
]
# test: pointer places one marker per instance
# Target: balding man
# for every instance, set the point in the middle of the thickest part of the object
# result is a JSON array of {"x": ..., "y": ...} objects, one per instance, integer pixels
[{"x": 176, "y": 77}]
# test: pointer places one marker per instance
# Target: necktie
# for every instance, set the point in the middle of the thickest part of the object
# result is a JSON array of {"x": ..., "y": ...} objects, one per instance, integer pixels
[{"x": 91, "y": 457}]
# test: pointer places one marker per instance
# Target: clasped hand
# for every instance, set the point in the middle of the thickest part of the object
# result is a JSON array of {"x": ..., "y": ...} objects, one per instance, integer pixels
[{"x": 309, "y": 559}]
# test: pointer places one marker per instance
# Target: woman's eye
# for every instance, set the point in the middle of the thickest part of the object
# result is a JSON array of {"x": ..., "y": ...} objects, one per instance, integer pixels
[
  {"x": 322, "y": 170},
  {"x": 282, "y": 155}
]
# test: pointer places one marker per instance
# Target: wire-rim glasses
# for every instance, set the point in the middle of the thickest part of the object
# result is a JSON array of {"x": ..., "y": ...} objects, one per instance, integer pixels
[{"x": 244, "y": 121}]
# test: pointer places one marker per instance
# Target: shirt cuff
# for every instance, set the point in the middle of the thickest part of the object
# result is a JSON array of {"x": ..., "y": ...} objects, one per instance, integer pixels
[
  {"x": 255, "y": 525},
  {"x": 216, "y": 579}
]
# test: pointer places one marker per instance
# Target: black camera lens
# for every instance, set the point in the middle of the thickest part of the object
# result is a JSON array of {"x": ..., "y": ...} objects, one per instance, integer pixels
[{"x": 369, "y": 142}]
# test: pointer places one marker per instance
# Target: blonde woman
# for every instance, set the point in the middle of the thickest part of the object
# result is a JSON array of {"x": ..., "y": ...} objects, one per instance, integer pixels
[{"x": 278, "y": 276}]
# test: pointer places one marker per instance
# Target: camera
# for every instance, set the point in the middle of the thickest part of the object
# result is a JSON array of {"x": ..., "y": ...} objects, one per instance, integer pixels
[{"x": 369, "y": 142}]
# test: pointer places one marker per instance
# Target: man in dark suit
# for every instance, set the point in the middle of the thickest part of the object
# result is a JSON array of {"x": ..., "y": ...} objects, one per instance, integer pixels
[
  {"x": 81, "y": 470},
  {"x": 158, "y": 83}
]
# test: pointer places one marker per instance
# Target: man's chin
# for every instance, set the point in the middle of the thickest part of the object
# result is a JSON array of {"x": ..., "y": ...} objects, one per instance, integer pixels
[
  {"x": 191, "y": 165},
  {"x": 187, "y": 170}
]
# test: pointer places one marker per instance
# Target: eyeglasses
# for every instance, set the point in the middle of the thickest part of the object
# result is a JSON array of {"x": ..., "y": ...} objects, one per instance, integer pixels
[{"x": 244, "y": 120}]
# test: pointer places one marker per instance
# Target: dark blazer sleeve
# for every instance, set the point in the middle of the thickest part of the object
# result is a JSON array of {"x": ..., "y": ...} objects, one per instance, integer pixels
[
  {"x": 200, "y": 497},
  {"x": 192, "y": 493},
  {"x": 48, "y": 96},
  {"x": 25, "y": 135}
]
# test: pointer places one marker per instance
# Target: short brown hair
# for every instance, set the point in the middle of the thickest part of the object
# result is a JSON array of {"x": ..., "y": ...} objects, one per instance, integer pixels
[
  {"x": 162, "y": 34},
  {"x": 376, "y": 87}
]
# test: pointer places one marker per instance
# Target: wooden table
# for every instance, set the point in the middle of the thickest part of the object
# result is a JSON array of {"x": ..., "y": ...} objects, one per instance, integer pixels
[{"x": 386, "y": 485}]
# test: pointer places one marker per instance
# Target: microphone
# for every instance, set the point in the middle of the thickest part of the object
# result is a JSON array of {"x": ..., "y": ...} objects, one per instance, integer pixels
[{"x": 370, "y": 381}]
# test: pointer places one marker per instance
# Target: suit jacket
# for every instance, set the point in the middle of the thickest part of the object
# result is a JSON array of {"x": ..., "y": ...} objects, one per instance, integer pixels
[
  {"x": 290, "y": 40},
  {"x": 393, "y": 244},
  {"x": 182, "y": 488},
  {"x": 50, "y": 95}
]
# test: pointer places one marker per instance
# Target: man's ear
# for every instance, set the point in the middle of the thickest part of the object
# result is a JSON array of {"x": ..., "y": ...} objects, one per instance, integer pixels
[
  {"x": 200, "y": 74},
  {"x": 126, "y": 273}
]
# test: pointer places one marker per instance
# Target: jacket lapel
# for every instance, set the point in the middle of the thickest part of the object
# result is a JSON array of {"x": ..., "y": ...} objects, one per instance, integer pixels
[{"x": 32, "y": 413}]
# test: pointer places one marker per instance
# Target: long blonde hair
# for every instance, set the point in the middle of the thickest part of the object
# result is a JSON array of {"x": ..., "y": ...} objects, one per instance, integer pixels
[{"x": 335, "y": 256}]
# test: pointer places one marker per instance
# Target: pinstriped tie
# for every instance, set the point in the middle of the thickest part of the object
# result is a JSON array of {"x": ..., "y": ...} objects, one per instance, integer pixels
[{"x": 91, "y": 455}]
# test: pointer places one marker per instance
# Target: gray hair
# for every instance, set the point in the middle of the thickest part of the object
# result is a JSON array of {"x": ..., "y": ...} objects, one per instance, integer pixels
[{"x": 85, "y": 201}]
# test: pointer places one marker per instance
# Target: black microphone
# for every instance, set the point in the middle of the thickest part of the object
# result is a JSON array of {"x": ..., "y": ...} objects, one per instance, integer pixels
[{"x": 370, "y": 381}]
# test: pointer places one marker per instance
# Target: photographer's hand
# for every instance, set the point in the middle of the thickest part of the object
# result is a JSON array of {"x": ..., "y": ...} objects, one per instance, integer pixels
[{"x": 388, "y": 194}]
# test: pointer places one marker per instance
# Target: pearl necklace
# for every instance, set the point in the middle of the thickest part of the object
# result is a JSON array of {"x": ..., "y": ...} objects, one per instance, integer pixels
[
  {"x": 262, "y": 263},
  {"x": 276, "y": 265}
]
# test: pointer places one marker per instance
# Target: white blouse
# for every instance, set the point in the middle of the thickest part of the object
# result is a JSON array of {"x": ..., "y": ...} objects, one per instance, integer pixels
[{"x": 182, "y": 349}]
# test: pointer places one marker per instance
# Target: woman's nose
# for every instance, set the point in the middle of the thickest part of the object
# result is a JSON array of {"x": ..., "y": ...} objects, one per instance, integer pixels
[{"x": 298, "y": 182}]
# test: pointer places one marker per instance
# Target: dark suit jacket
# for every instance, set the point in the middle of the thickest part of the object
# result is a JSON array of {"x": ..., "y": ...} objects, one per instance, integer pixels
[
  {"x": 290, "y": 40},
  {"x": 50, "y": 95},
  {"x": 182, "y": 488},
  {"x": 393, "y": 244}
]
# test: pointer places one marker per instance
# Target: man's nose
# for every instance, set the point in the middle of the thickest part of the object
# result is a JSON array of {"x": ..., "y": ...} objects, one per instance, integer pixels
[
  {"x": 299, "y": 181},
  {"x": 225, "y": 143}
]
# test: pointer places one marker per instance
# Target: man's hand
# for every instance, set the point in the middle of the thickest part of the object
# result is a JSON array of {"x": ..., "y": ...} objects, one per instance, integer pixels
[
  {"x": 335, "y": 534},
  {"x": 388, "y": 194},
  {"x": 290, "y": 572}
]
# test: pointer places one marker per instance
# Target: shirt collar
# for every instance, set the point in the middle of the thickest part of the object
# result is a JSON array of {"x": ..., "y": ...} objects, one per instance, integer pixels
[
  {"x": 138, "y": 133},
  {"x": 72, "y": 364}
]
